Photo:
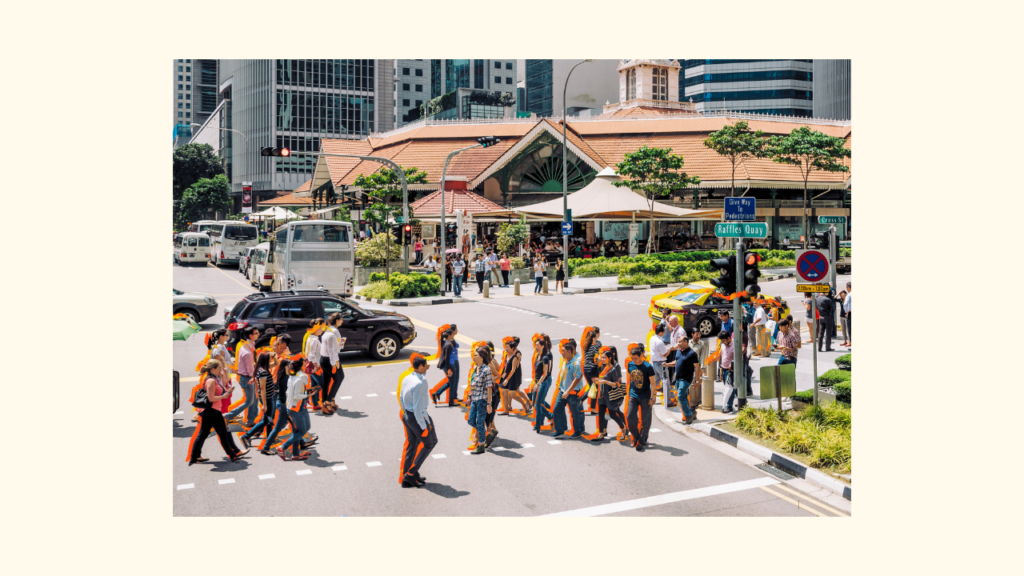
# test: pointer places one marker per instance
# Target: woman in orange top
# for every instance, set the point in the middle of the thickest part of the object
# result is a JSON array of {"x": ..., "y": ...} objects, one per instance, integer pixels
[{"x": 212, "y": 417}]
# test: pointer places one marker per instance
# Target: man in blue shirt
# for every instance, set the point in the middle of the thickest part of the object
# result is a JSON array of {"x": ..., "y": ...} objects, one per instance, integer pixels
[
  {"x": 726, "y": 321},
  {"x": 568, "y": 390}
]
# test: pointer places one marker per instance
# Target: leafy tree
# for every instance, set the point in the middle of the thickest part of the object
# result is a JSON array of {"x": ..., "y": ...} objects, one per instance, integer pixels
[
  {"x": 383, "y": 189},
  {"x": 372, "y": 250},
  {"x": 809, "y": 150},
  {"x": 510, "y": 236},
  {"x": 655, "y": 173},
  {"x": 193, "y": 162},
  {"x": 342, "y": 214},
  {"x": 738, "y": 143},
  {"x": 202, "y": 198}
]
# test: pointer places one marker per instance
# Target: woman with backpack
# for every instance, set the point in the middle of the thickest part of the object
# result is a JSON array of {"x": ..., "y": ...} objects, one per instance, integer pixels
[{"x": 212, "y": 400}]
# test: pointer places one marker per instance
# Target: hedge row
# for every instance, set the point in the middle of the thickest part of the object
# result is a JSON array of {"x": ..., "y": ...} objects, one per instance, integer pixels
[
  {"x": 406, "y": 285},
  {"x": 669, "y": 268}
]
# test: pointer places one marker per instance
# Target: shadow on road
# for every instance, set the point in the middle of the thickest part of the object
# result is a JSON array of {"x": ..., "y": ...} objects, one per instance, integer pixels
[
  {"x": 349, "y": 414},
  {"x": 183, "y": 432},
  {"x": 444, "y": 491},
  {"x": 671, "y": 451}
]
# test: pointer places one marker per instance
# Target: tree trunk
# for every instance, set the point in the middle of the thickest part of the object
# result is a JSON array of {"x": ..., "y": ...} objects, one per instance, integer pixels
[
  {"x": 387, "y": 258},
  {"x": 650, "y": 242}
]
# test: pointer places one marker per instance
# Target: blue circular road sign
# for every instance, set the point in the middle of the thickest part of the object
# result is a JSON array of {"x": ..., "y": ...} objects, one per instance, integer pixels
[{"x": 812, "y": 266}]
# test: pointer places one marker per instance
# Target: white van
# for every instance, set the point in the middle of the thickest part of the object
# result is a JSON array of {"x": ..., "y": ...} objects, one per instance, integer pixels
[
  {"x": 192, "y": 248},
  {"x": 260, "y": 277},
  {"x": 230, "y": 240}
]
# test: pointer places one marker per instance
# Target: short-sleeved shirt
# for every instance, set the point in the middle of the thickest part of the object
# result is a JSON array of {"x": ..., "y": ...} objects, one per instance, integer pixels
[
  {"x": 538, "y": 366},
  {"x": 684, "y": 364},
  {"x": 458, "y": 266},
  {"x": 588, "y": 361},
  {"x": 482, "y": 380},
  {"x": 572, "y": 371},
  {"x": 640, "y": 380},
  {"x": 727, "y": 325}
]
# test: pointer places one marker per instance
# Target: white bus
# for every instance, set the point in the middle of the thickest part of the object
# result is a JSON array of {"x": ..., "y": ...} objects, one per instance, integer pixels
[
  {"x": 201, "y": 226},
  {"x": 313, "y": 254},
  {"x": 230, "y": 239}
]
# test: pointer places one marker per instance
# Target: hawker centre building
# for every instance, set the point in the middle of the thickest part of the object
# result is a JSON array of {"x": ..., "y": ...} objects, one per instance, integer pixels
[{"x": 526, "y": 166}]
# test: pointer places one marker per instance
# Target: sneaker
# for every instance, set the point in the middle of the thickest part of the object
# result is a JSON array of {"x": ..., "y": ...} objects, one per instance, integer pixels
[
  {"x": 246, "y": 442},
  {"x": 478, "y": 450}
]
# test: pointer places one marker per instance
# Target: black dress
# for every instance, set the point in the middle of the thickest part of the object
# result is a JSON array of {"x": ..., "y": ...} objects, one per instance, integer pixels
[
  {"x": 517, "y": 377},
  {"x": 560, "y": 275}
]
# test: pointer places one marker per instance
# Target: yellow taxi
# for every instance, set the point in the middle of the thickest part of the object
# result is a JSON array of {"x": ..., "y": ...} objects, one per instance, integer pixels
[{"x": 696, "y": 306}]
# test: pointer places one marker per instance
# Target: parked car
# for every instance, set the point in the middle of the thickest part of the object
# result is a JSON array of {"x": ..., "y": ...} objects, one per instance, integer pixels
[
  {"x": 197, "y": 306},
  {"x": 844, "y": 264},
  {"x": 244, "y": 260},
  {"x": 696, "y": 306},
  {"x": 258, "y": 275},
  {"x": 379, "y": 333}
]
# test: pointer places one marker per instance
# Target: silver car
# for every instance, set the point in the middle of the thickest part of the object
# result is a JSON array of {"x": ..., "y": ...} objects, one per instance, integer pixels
[
  {"x": 197, "y": 306},
  {"x": 244, "y": 261}
]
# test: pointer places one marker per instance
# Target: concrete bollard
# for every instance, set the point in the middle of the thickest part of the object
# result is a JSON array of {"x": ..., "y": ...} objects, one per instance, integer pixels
[
  {"x": 487, "y": 288},
  {"x": 707, "y": 387},
  {"x": 516, "y": 287},
  {"x": 544, "y": 286}
]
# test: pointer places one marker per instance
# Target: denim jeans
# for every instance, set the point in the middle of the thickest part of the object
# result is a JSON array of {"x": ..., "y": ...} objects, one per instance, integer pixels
[
  {"x": 559, "y": 415},
  {"x": 249, "y": 405},
  {"x": 281, "y": 420},
  {"x": 784, "y": 360},
  {"x": 682, "y": 390},
  {"x": 536, "y": 289},
  {"x": 452, "y": 386},
  {"x": 729, "y": 396},
  {"x": 576, "y": 410},
  {"x": 300, "y": 425},
  {"x": 478, "y": 419},
  {"x": 266, "y": 424},
  {"x": 458, "y": 284},
  {"x": 540, "y": 402}
]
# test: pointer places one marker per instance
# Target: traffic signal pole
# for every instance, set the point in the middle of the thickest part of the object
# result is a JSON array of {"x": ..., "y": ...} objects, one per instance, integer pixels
[{"x": 738, "y": 373}]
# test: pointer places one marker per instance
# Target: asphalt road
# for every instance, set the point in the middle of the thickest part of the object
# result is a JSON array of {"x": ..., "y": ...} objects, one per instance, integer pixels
[{"x": 354, "y": 469}]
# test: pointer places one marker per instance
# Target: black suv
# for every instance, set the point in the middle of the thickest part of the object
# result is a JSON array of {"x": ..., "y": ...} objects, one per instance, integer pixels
[{"x": 381, "y": 334}]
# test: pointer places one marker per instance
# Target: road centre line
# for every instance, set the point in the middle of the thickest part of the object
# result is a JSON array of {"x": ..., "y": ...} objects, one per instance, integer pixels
[
  {"x": 814, "y": 502},
  {"x": 793, "y": 502},
  {"x": 236, "y": 280},
  {"x": 668, "y": 498}
]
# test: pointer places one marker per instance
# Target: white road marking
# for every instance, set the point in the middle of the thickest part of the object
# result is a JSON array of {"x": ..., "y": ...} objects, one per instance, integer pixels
[
  {"x": 466, "y": 452},
  {"x": 186, "y": 486},
  {"x": 624, "y": 339},
  {"x": 303, "y": 472},
  {"x": 653, "y": 430},
  {"x": 372, "y": 464},
  {"x": 178, "y": 412},
  {"x": 436, "y": 456},
  {"x": 266, "y": 476},
  {"x": 345, "y": 398},
  {"x": 499, "y": 449},
  {"x": 668, "y": 498},
  {"x": 226, "y": 481},
  {"x": 395, "y": 393},
  {"x": 554, "y": 441},
  {"x": 527, "y": 445},
  {"x": 339, "y": 468},
  {"x": 370, "y": 395}
]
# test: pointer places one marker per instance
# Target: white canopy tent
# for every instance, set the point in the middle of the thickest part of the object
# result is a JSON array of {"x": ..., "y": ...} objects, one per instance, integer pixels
[
  {"x": 602, "y": 200},
  {"x": 274, "y": 213}
]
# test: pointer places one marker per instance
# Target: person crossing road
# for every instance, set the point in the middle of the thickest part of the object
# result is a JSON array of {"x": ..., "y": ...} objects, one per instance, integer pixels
[{"x": 420, "y": 434}]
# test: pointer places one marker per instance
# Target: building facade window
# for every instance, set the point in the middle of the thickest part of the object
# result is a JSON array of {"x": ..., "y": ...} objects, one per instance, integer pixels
[
  {"x": 179, "y": 105},
  {"x": 508, "y": 80},
  {"x": 188, "y": 78},
  {"x": 188, "y": 105},
  {"x": 456, "y": 75},
  {"x": 497, "y": 65},
  {"x": 752, "y": 95},
  {"x": 419, "y": 87},
  {"x": 630, "y": 84},
  {"x": 188, "y": 86},
  {"x": 188, "y": 114},
  {"x": 405, "y": 101},
  {"x": 539, "y": 87},
  {"x": 340, "y": 74},
  {"x": 188, "y": 61},
  {"x": 749, "y": 77},
  {"x": 299, "y": 110},
  {"x": 419, "y": 72},
  {"x": 419, "y": 103},
  {"x": 405, "y": 71},
  {"x": 179, "y": 95},
  {"x": 179, "y": 60},
  {"x": 478, "y": 74},
  {"x": 179, "y": 77},
  {"x": 188, "y": 68},
  {"x": 179, "y": 114},
  {"x": 188, "y": 96},
  {"x": 179, "y": 68},
  {"x": 179, "y": 86},
  {"x": 406, "y": 87},
  {"x": 508, "y": 65},
  {"x": 497, "y": 79}
]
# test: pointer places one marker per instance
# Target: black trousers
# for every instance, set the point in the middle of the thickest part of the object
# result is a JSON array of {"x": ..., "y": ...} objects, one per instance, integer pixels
[
  {"x": 825, "y": 328},
  {"x": 480, "y": 280},
  {"x": 210, "y": 419},
  {"x": 504, "y": 277},
  {"x": 639, "y": 419},
  {"x": 849, "y": 324},
  {"x": 417, "y": 446},
  {"x": 604, "y": 411},
  {"x": 331, "y": 382},
  {"x": 592, "y": 375},
  {"x": 447, "y": 282}
]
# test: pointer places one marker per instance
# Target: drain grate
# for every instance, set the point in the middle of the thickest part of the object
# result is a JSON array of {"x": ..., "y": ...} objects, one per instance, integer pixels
[{"x": 777, "y": 472}]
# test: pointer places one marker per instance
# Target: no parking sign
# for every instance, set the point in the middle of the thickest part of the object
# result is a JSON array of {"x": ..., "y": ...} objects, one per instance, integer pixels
[{"x": 812, "y": 265}]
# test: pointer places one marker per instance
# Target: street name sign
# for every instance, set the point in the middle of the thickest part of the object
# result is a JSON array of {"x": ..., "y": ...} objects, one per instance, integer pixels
[
  {"x": 399, "y": 219},
  {"x": 831, "y": 219},
  {"x": 739, "y": 209},
  {"x": 566, "y": 228},
  {"x": 812, "y": 288},
  {"x": 812, "y": 265},
  {"x": 741, "y": 230}
]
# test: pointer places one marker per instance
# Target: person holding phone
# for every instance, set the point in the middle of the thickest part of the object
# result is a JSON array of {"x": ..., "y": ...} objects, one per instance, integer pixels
[
  {"x": 330, "y": 362},
  {"x": 212, "y": 418},
  {"x": 299, "y": 390}
]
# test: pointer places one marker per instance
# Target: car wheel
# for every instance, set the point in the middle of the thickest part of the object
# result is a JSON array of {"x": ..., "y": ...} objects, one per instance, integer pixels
[
  {"x": 706, "y": 326},
  {"x": 385, "y": 346},
  {"x": 192, "y": 315}
]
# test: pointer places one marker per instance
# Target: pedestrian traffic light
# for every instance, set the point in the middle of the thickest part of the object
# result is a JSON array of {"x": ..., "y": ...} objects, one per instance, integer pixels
[
  {"x": 726, "y": 282},
  {"x": 284, "y": 152},
  {"x": 821, "y": 240},
  {"x": 750, "y": 275},
  {"x": 488, "y": 141}
]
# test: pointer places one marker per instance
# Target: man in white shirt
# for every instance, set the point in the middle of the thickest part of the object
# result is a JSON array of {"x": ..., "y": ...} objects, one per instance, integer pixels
[
  {"x": 659, "y": 352},
  {"x": 848, "y": 307},
  {"x": 492, "y": 267},
  {"x": 760, "y": 319},
  {"x": 330, "y": 353},
  {"x": 420, "y": 434}
]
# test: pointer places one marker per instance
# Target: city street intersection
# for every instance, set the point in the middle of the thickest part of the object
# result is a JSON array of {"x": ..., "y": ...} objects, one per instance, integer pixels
[{"x": 354, "y": 467}]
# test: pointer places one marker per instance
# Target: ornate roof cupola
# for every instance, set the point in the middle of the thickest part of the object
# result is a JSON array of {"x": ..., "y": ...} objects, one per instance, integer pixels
[{"x": 651, "y": 84}]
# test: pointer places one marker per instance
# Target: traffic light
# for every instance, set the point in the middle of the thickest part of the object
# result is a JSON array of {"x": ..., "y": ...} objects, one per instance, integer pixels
[
  {"x": 750, "y": 275},
  {"x": 821, "y": 240},
  {"x": 407, "y": 231},
  {"x": 488, "y": 141},
  {"x": 396, "y": 231},
  {"x": 275, "y": 152},
  {"x": 726, "y": 282}
]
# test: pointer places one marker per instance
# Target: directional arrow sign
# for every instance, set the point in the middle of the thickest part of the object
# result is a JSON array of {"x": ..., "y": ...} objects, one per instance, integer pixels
[
  {"x": 812, "y": 265},
  {"x": 741, "y": 230}
]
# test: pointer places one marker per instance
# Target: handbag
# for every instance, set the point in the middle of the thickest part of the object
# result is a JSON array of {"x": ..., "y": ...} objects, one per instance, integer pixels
[
  {"x": 201, "y": 400},
  {"x": 593, "y": 391}
]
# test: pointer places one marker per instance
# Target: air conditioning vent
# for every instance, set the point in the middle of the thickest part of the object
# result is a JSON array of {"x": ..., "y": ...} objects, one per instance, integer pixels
[{"x": 321, "y": 256}]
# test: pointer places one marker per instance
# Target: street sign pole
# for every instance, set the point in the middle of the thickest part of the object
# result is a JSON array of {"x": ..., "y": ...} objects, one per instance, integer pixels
[
  {"x": 814, "y": 344},
  {"x": 833, "y": 254},
  {"x": 738, "y": 373}
]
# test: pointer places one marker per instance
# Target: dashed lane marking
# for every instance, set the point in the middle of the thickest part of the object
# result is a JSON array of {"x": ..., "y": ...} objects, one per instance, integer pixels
[
  {"x": 653, "y": 430},
  {"x": 372, "y": 464},
  {"x": 339, "y": 468},
  {"x": 438, "y": 456},
  {"x": 303, "y": 472},
  {"x": 267, "y": 476},
  {"x": 466, "y": 452},
  {"x": 527, "y": 445},
  {"x": 554, "y": 441},
  {"x": 499, "y": 449},
  {"x": 186, "y": 486},
  {"x": 345, "y": 398},
  {"x": 374, "y": 395},
  {"x": 226, "y": 481}
]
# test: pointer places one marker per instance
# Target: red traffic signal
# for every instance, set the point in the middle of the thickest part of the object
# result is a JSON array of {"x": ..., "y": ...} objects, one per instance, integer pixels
[
  {"x": 408, "y": 228},
  {"x": 284, "y": 152},
  {"x": 752, "y": 259}
]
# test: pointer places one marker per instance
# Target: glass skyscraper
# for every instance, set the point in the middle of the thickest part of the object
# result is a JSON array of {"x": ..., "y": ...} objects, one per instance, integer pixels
[{"x": 782, "y": 87}]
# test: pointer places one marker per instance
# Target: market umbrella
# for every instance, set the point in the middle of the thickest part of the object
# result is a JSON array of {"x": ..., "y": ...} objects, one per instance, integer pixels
[
  {"x": 183, "y": 327},
  {"x": 452, "y": 251}
]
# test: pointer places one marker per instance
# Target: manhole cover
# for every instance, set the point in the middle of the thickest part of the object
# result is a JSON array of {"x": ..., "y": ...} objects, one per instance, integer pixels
[{"x": 777, "y": 472}]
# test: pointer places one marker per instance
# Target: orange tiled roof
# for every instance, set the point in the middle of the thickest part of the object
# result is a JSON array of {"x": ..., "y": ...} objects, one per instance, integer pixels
[
  {"x": 640, "y": 112},
  {"x": 454, "y": 200},
  {"x": 290, "y": 199},
  {"x": 572, "y": 136}
]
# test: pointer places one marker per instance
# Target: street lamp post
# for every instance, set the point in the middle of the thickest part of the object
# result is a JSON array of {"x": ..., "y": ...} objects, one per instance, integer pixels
[{"x": 565, "y": 178}]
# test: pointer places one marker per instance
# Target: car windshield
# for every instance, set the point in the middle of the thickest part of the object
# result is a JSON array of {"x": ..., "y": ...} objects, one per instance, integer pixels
[
  {"x": 357, "y": 307},
  {"x": 177, "y": 292},
  {"x": 691, "y": 297},
  {"x": 240, "y": 232}
]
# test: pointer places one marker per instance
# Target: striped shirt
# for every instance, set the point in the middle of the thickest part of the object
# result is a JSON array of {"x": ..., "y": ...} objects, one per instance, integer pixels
[{"x": 480, "y": 265}]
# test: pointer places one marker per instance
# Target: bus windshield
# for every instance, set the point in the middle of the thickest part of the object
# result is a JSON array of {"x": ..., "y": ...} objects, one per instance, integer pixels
[
  {"x": 239, "y": 232},
  {"x": 320, "y": 233}
]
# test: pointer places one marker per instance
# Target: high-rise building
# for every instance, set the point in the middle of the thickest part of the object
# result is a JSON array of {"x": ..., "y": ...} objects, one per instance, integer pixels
[
  {"x": 293, "y": 104},
  {"x": 781, "y": 87},
  {"x": 832, "y": 89},
  {"x": 412, "y": 88},
  {"x": 593, "y": 85},
  {"x": 494, "y": 75},
  {"x": 194, "y": 84}
]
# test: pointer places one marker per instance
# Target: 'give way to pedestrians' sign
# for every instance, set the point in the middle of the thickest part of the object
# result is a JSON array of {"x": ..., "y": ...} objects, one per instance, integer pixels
[{"x": 812, "y": 265}]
